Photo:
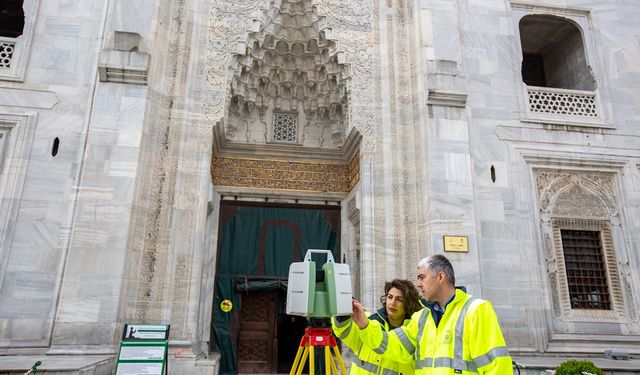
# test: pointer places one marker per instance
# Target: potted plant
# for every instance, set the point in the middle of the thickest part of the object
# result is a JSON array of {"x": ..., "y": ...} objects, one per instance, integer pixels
[{"x": 575, "y": 367}]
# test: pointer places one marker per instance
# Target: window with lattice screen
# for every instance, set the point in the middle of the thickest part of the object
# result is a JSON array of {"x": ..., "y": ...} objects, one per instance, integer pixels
[
  {"x": 285, "y": 127},
  {"x": 585, "y": 267}
]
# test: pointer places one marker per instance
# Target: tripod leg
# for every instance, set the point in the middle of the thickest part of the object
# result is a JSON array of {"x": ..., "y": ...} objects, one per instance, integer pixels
[
  {"x": 343, "y": 368},
  {"x": 296, "y": 362},
  {"x": 333, "y": 362},
  {"x": 328, "y": 361},
  {"x": 305, "y": 354},
  {"x": 312, "y": 362}
]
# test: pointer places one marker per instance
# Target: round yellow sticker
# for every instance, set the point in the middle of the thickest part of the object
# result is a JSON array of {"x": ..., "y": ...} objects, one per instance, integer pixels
[{"x": 226, "y": 305}]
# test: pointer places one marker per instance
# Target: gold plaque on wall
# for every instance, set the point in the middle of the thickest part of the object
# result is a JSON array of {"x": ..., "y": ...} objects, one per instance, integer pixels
[{"x": 458, "y": 244}]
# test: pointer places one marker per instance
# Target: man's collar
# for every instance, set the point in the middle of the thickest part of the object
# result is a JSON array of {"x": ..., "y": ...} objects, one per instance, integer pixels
[{"x": 437, "y": 307}]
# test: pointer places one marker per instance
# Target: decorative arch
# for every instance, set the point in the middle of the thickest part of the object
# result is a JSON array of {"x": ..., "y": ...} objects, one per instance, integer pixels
[
  {"x": 578, "y": 201},
  {"x": 288, "y": 66},
  {"x": 350, "y": 23},
  {"x": 555, "y": 196}
]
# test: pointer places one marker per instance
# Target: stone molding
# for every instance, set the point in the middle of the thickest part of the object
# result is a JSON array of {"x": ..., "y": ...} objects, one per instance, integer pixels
[
  {"x": 124, "y": 63},
  {"x": 123, "y": 67},
  {"x": 17, "y": 133},
  {"x": 15, "y": 97},
  {"x": 448, "y": 99},
  {"x": 584, "y": 200}
]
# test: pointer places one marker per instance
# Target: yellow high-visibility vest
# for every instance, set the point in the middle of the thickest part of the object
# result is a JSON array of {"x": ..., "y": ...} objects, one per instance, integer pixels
[
  {"x": 369, "y": 362},
  {"x": 468, "y": 340}
]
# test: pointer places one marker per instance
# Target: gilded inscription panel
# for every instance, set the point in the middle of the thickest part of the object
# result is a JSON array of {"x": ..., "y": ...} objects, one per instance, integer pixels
[{"x": 284, "y": 175}]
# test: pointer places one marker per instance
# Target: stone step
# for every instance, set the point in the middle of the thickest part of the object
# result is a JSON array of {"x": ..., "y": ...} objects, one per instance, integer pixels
[{"x": 58, "y": 364}]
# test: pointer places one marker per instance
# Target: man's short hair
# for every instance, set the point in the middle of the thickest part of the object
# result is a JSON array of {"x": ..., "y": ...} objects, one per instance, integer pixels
[{"x": 437, "y": 263}]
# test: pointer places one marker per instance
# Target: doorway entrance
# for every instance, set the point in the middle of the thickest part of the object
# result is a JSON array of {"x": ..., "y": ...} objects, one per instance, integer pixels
[
  {"x": 268, "y": 338},
  {"x": 256, "y": 245}
]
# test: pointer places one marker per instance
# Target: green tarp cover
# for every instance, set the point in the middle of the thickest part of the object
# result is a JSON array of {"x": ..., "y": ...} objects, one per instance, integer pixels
[
  {"x": 256, "y": 245},
  {"x": 255, "y": 285}
]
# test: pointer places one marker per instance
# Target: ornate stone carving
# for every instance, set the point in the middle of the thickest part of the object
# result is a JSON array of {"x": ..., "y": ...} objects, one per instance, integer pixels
[
  {"x": 627, "y": 286},
  {"x": 581, "y": 201},
  {"x": 284, "y": 175},
  {"x": 564, "y": 194},
  {"x": 552, "y": 275},
  {"x": 354, "y": 171},
  {"x": 292, "y": 56},
  {"x": 228, "y": 24}
]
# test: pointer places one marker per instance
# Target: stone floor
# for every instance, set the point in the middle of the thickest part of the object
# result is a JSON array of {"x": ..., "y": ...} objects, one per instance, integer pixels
[{"x": 57, "y": 365}]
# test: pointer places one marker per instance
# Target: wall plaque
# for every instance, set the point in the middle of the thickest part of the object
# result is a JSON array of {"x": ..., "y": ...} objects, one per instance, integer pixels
[{"x": 457, "y": 244}]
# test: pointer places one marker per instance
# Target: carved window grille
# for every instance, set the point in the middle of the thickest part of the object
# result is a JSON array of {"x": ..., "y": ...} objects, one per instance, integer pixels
[
  {"x": 7, "y": 46},
  {"x": 285, "y": 127},
  {"x": 562, "y": 102},
  {"x": 585, "y": 267}
]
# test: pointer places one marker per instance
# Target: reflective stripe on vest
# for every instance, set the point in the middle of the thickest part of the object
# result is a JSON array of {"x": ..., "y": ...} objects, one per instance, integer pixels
[
  {"x": 367, "y": 366},
  {"x": 383, "y": 344},
  {"x": 386, "y": 371},
  {"x": 485, "y": 359},
  {"x": 371, "y": 367},
  {"x": 446, "y": 362},
  {"x": 457, "y": 362},
  {"x": 421, "y": 323},
  {"x": 345, "y": 333},
  {"x": 457, "y": 348},
  {"x": 340, "y": 324},
  {"x": 405, "y": 340}
]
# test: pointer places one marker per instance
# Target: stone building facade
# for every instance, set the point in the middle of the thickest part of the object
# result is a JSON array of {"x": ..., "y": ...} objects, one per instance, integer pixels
[{"x": 125, "y": 126}]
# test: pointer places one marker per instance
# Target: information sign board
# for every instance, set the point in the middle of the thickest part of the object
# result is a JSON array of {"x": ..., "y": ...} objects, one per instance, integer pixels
[
  {"x": 143, "y": 350},
  {"x": 145, "y": 332}
]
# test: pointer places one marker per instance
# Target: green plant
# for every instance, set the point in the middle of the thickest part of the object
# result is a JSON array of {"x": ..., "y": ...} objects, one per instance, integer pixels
[{"x": 574, "y": 367}]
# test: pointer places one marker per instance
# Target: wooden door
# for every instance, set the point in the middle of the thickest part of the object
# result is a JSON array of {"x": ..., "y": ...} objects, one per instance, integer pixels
[{"x": 257, "y": 341}]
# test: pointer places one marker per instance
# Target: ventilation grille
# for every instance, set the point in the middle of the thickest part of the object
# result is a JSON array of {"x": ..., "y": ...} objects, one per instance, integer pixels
[
  {"x": 6, "y": 52},
  {"x": 285, "y": 127},
  {"x": 562, "y": 102}
]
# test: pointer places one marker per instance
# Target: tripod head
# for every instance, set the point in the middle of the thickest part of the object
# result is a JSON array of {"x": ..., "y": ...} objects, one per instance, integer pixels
[{"x": 320, "y": 322}]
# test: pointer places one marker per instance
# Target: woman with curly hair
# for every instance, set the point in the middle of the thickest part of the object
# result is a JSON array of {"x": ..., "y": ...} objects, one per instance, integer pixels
[{"x": 399, "y": 302}]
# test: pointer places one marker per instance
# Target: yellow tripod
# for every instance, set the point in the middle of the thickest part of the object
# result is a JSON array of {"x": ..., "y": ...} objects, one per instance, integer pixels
[{"x": 318, "y": 337}]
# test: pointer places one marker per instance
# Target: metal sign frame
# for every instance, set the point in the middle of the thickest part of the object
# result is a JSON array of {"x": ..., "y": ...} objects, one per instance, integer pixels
[{"x": 143, "y": 350}]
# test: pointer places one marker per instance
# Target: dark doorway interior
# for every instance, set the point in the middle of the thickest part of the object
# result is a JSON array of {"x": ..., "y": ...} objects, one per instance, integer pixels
[
  {"x": 290, "y": 330},
  {"x": 11, "y": 18}
]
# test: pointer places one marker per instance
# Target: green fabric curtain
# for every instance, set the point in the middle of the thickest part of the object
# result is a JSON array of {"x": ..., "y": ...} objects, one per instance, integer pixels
[
  {"x": 257, "y": 285},
  {"x": 255, "y": 242}
]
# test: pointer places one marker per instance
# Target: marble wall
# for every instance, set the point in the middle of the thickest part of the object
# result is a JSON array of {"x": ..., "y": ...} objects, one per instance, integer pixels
[
  {"x": 57, "y": 92},
  {"x": 120, "y": 225}
]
